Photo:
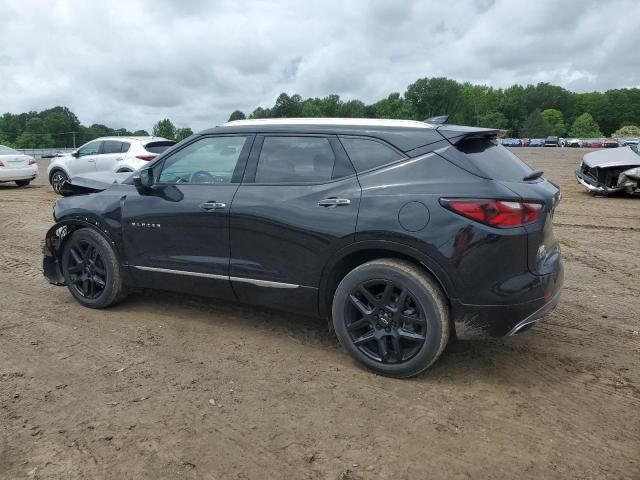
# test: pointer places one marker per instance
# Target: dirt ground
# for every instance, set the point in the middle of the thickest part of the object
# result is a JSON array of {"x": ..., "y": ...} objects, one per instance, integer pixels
[{"x": 168, "y": 386}]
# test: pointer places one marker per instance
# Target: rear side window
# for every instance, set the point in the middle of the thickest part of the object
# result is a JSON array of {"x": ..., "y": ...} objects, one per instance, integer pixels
[
  {"x": 367, "y": 154},
  {"x": 125, "y": 147},
  {"x": 110, "y": 146},
  {"x": 495, "y": 160},
  {"x": 158, "y": 147},
  {"x": 295, "y": 160}
]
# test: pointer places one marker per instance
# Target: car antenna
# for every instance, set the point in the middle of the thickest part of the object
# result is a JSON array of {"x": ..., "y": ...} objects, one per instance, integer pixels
[{"x": 533, "y": 176}]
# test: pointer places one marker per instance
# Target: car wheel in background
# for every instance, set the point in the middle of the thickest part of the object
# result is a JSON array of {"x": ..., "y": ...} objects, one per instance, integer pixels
[
  {"x": 57, "y": 179},
  {"x": 392, "y": 317},
  {"x": 23, "y": 183},
  {"x": 91, "y": 269}
]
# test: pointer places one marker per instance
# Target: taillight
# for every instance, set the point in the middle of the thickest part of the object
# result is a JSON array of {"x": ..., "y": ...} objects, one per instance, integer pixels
[
  {"x": 146, "y": 157},
  {"x": 32, "y": 161},
  {"x": 496, "y": 213},
  {"x": 1, "y": 164}
]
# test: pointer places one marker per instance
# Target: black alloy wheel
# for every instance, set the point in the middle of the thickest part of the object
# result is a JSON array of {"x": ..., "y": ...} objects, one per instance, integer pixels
[
  {"x": 386, "y": 324},
  {"x": 91, "y": 269},
  {"x": 392, "y": 317},
  {"x": 86, "y": 268}
]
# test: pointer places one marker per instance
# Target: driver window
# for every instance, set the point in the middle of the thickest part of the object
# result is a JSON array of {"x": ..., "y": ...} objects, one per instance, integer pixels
[
  {"x": 209, "y": 160},
  {"x": 89, "y": 149}
]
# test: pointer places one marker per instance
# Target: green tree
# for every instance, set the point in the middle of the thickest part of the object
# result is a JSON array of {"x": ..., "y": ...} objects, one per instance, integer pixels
[
  {"x": 260, "y": 113},
  {"x": 434, "y": 96},
  {"x": 140, "y": 133},
  {"x": 492, "y": 120},
  {"x": 535, "y": 126},
  {"x": 236, "y": 115},
  {"x": 585, "y": 127},
  {"x": 555, "y": 120},
  {"x": 182, "y": 133},
  {"x": 165, "y": 128},
  {"x": 394, "y": 106},
  {"x": 628, "y": 131}
]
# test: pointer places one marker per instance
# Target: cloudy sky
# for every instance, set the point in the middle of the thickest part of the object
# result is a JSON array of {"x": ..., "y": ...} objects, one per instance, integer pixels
[{"x": 130, "y": 63}]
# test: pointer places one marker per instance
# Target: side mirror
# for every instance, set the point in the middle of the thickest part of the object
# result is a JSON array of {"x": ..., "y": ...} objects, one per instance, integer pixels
[
  {"x": 143, "y": 181},
  {"x": 75, "y": 154}
]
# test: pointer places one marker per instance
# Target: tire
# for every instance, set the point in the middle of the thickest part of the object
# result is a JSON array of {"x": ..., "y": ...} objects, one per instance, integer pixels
[
  {"x": 399, "y": 325},
  {"x": 91, "y": 269},
  {"x": 57, "y": 179},
  {"x": 23, "y": 183}
]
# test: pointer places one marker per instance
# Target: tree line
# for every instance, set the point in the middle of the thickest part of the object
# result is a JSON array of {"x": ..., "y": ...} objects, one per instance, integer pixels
[
  {"x": 531, "y": 111},
  {"x": 59, "y": 127},
  {"x": 524, "y": 111}
]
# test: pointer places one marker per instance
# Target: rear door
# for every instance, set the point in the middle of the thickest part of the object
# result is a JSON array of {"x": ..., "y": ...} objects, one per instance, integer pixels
[
  {"x": 109, "y": 156},
  {"x": 177, "y": 236},
  {"x": 297, "y": 205}
]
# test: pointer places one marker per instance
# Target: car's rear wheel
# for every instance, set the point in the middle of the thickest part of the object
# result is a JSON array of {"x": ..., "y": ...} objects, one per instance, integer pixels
[
  {"x": 23, "y": 183},
  {"x": 392, "y": 317},
  {"x": 58, "y": 177},
  {"x": 91, "y": 269}
]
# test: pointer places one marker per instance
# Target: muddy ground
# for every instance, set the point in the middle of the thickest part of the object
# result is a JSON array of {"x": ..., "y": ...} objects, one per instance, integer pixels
[{"x": 168, "y": 386}]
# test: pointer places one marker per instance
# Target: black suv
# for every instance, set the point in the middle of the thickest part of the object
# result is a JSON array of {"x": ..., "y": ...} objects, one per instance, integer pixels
[{"x": 400, "y": 232}]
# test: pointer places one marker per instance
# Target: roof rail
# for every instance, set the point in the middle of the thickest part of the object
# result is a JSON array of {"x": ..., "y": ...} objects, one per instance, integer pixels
[{"x": 439, "y": 120}]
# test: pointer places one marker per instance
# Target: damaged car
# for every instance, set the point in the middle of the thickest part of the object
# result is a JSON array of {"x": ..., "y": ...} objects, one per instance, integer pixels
[
  {"x": 611, "y": 171},
  {"x": 91, "y": 183}
]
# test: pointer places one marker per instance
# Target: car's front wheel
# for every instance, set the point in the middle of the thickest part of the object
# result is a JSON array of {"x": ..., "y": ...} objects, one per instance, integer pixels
[
  {"x": 392, "y": 317},
  {"x": 91, "y": 269},
  {"x": 58, "y": 177}
]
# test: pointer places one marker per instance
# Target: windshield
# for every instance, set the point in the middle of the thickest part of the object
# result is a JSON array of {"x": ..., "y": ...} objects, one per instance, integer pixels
[{"x": 8, "y": 151}]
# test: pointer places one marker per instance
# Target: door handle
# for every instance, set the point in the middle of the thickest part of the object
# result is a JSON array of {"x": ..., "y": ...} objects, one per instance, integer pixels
[
  {"x": 212, "y": 205},
  {"x": 334, "y": 202}
]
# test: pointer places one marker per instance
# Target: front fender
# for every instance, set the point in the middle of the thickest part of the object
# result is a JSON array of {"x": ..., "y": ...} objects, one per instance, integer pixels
[{"x": 54, "y": 241}]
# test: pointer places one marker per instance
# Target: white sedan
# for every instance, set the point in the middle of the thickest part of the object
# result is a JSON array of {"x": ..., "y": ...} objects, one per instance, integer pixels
[
  {"x": 106, "y": 154},
  {"x": 16, "y": 167}
]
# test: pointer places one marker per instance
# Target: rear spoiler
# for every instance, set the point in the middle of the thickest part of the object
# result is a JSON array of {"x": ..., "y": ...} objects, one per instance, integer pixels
[{"x": 457, "y": 133}]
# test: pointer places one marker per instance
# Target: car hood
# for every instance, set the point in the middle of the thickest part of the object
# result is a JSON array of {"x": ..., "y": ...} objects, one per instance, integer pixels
[
  {"x": 618, "y": 157},
  {"x": 92, "y": 182}
]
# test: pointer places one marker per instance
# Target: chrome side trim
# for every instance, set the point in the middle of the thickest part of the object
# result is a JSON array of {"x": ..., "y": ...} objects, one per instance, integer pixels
[
  {"x": 264, "y": 283},
  {"x": 181, "y": 272},
  {"x": 252, "y": 281}
]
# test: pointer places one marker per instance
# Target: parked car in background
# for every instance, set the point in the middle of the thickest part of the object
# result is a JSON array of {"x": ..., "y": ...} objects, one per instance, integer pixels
[
  {"x": 525, "y": 141},
  {"x": 593, "y": 143},
  {"x": 611, "y": 143},
  {"x": 511, "y": 142},
  {"x": 574, "y": 142},
  {"x": 107, "y": 154},
  {"x": 628, "y": 141},
  {"x": 551, "y": 141},
  {"x": 16, "y": 167},
  {"x": 354, "y": 220},
  {"x": 536, "y": 142},
  {"x": 606, "y": 172}
]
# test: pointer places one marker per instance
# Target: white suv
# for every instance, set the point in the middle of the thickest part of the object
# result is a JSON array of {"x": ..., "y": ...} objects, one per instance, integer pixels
[{"x": 106, "y": 154}]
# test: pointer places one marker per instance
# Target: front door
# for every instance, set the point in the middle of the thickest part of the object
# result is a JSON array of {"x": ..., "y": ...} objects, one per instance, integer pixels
[
  {"x": 85, "y": 159},
  {"x": 177, "y": 235},
  {"x": 298, "y": 205}
]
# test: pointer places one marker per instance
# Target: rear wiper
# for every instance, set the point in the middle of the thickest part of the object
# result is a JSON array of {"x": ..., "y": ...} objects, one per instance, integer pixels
[{"x": 533, "y": 176}]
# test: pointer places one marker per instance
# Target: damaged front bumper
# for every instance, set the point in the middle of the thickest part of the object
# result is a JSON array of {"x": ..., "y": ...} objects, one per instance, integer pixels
[
  {"x": 628, "y": 181},
  {"x": 595, "y": 186},
  {"x": 51, "y": 263}
]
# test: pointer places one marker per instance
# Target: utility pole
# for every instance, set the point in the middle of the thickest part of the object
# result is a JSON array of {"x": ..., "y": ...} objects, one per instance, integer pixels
[{"x": 74, "y": 139}]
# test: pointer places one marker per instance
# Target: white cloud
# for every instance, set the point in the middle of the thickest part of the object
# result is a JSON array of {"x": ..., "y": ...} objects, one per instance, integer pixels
[{"x": 126, "y": 63}]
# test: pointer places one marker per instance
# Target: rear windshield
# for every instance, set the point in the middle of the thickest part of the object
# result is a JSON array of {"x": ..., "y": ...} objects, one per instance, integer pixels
[
  {"x": 494, "y": 160},
  {"x": 158, "y": 147},
  {"x": 8, "y": 151}
]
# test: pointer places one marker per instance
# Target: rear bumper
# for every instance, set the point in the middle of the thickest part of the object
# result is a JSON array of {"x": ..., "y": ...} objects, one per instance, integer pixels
[
  {"x": 12, "y": 174},
  {"x": 503, "y": 320},
  {"x": 593, "y": 185}
]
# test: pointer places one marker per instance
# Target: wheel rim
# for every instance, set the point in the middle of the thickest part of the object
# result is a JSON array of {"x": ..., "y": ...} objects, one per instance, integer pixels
[
  {"x": 385, "y": 322},
  {"x": 86, "y": 269},
  {"x": 57, "y": 181}
]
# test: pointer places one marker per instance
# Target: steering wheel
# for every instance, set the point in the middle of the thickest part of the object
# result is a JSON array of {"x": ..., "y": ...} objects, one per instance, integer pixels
[{"x": 201, "y": 176}]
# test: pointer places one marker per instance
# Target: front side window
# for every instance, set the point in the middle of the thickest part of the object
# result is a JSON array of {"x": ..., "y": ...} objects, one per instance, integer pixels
[
  {"x": 111, "y": 146},
  {"x": 209, "y": 160},
  {"x": 89, "y": 149},
  {"x": 366, "y": 154},
  {"x": 295, "y": 160}
]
